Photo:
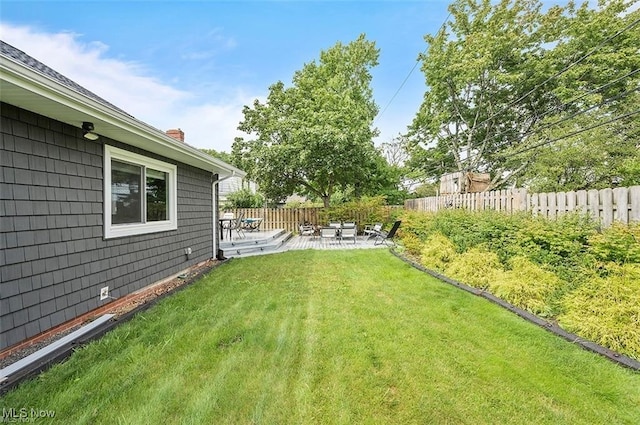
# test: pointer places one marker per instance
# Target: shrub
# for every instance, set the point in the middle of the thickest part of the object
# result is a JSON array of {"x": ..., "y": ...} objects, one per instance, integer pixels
[
  {"x": 607, "y": 309},
  {"x": 619, "y": 243},
  {"x": 554, "y": 268},
  {"x": 560, "y": 244},
  {"x": 460, "y": 227},
  {"x": 412, "y": 244},
  {"x": 244, "y": 198},
  {"x": 419, "y": 224},
  {"x": 476, "y": 267},
  {"x": 373, "y": 209},
  {"x": 527, "y": 286},
  {"x": 437, "y": 252}
]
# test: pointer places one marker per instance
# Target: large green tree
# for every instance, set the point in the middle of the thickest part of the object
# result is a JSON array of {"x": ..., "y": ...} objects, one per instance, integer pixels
[
  {"x": 224, "y": 156},
  {"x": 593, "y": 141},
  {"x": 508, "y": 84},
  {"x": 316, "y": 136},
  {"x": 477, "y": 67}
]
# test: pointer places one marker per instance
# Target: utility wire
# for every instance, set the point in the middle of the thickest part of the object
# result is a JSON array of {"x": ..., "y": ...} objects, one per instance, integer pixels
[
  {"x": 574, "y": 133},
  {"x": 555, "y": 76},
  {"x": 558, "y": 74},
  {"x": 410, "y": 72},
  {"x": 562, "y": 106},
  {"x": 565, "y": 69},
  {"x": 399, "y": 88},
  {"x": 561, "y": 120}
]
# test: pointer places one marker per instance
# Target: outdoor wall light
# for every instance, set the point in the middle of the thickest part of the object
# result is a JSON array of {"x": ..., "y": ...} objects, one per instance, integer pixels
[{"x": 87, "y": 131}]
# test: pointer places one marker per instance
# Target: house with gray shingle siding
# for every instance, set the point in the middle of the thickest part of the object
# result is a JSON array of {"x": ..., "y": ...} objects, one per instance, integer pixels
[{"x": 77, "y": 214}]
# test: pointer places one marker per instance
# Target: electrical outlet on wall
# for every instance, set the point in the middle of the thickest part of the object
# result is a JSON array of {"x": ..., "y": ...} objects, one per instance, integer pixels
[
  {"x": 104, "y": 293},
  {"x": 187, "y": 251}
]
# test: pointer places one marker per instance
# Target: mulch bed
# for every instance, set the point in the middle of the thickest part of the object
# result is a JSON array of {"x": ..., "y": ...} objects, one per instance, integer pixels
[{"x": 119, "y": 309}]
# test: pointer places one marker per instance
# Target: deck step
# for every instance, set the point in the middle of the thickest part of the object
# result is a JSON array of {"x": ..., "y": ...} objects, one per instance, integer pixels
[
  {"x": 240, "y": 247},
  {"x": 251, "y": 239}
]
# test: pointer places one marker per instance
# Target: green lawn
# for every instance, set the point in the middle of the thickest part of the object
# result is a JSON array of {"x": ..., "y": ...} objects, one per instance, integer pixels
[{"x": 343, "y": 337}]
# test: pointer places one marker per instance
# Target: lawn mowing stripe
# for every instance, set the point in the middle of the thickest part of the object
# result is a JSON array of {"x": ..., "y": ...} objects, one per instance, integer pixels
[
  {"x": 357, "y": 337},
  {"x": 551, "y": 327}
]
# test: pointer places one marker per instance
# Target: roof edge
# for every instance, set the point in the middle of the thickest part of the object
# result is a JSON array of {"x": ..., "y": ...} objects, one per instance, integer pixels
[{"x": 34, "y": 83}]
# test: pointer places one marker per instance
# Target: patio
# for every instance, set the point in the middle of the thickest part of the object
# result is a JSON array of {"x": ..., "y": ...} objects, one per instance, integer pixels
[{"x": 272, "y": 241}]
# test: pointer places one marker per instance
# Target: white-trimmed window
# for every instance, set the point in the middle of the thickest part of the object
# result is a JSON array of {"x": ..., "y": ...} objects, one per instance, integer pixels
[{"x": 140, "y": 194}]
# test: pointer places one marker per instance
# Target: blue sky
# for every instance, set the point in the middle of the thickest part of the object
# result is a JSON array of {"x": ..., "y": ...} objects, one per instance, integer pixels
[{"x": 194, "y": 64}]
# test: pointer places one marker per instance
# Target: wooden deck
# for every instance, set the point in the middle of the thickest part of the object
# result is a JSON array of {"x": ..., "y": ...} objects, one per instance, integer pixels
[
  {"x": 274, "y": 241},
  {"x": 311, "y": 242}
]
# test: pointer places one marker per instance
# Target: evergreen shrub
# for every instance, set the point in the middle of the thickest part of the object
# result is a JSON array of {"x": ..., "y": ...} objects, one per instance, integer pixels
[
  {"x": 567, "y": 269},
  {"x": 607, "y": 309},
  {"x": 437, "y": 252},
  {"x": 476, "y": 267},
  {"x": 527, "y": 286}
]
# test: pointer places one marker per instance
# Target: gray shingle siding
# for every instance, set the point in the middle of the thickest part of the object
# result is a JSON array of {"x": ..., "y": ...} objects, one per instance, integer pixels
[{"x": 54, "y": 259}]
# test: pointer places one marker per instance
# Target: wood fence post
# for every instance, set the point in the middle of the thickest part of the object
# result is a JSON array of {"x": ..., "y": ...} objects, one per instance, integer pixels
[
  {"x": 606, "y": 206},
  {"x": 634, "y": 203}
]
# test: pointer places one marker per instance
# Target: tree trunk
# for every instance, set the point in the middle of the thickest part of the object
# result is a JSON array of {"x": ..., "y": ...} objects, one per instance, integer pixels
[{"x": 325, "y": 200}]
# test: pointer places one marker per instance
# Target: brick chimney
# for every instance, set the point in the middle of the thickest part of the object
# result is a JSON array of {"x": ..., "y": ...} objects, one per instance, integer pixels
[{"x": 176, "y": 134}]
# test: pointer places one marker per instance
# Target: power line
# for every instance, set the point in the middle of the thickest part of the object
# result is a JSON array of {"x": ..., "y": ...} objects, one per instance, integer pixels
[
  {"x": 562, "y": 106},
  {"x": 557, "y": 75},
  {"x": 574, "y": 133},
  {"x": 565, "y": 69},
  {"x": 410, "y": 72},
  {"x": 399, "y": 88},
  {"x": 561, "y": 120}
]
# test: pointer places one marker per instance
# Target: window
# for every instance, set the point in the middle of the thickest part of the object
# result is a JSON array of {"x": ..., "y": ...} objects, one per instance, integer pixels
[{"x": 140, "y": 194}]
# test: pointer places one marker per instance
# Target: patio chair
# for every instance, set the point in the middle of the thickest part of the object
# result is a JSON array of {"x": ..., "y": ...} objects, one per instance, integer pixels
[
  {"x": 237, "y": 225},
  {"x": 307, "y": 230},
  {"x": 348, "y": 233},
  {"x": 371, "y": 231},
  {"x": 328, "y": 232},
  {"x": 385, "y": 237},
  {"x": 227, "y": 216},
  {"x": 226, "y": 224}
]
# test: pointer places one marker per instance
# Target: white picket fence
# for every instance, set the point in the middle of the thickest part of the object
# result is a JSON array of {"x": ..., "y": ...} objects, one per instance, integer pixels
[{"x": 607, "y": 205}]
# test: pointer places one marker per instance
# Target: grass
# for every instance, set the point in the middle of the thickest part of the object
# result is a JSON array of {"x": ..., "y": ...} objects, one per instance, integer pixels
[{"x": 337, "y": 337}]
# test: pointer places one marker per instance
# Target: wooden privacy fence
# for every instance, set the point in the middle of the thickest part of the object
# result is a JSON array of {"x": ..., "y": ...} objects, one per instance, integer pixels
[
  {"x": 606, "y": 205},
  {"x": 290, "y": 218}
]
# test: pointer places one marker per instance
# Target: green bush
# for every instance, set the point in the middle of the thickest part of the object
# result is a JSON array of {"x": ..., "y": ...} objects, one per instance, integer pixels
[
  {"x": 560, "y": 244},
  {"x": 619, "y": 243},
  {"x": 244, "y": 198},
  {"x": 527, "y": 286},
  {"x": 418, "y": 223},
  {"x": 564, "y": 268},
  {"x": 412, "y": 244},
  {"x": 373, "y": 209},
  {"x": 437, "y": 251},
  {"x": 477, "y": 267},
  {"x": 607, "y": 309}
]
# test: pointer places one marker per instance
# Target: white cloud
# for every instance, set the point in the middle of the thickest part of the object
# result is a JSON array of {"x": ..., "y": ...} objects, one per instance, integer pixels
[
  {"x": 129, "y": 86},
  {"x": 213, "y": 125}
]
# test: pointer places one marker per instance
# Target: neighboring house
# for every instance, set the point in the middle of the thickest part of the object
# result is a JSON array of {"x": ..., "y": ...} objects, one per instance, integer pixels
[
  {"x": 234, "y": 184},
  {"x": 118, "y": 204}
]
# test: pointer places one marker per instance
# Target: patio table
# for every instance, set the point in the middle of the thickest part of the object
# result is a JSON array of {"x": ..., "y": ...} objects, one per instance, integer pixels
[
  {"x": 221, "y": 222},
  {"x": 251, "y": 223}
]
